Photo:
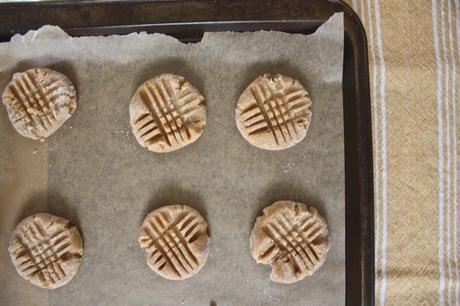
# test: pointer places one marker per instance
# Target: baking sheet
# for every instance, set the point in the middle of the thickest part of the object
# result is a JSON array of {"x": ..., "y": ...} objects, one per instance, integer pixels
[{"x": 93, "y": 172}]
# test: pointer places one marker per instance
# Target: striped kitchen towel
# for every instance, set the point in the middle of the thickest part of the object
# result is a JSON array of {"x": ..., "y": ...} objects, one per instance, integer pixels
[{"x": 414, "y": 48}]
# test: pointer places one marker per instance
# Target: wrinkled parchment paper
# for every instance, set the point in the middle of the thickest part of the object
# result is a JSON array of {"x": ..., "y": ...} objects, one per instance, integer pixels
[{"x": 93, "y": 172}]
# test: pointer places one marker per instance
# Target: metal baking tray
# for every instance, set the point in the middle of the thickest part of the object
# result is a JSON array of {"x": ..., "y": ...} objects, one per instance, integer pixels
[{"x": 188, "y": 20}]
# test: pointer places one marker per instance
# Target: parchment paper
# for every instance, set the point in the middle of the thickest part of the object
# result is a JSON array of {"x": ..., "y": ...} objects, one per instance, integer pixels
[{"x": 93, "y": 172}]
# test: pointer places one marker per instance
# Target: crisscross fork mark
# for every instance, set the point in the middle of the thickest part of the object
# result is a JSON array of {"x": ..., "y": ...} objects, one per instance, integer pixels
[
  {"x": 19, "y": 90},
  {"x": 150, "y": 104},
  {"x": 159, "y": 246},
  {"x": 49, "y": 250},
  {"x": 175, "y": 110},
  {"x": 281, "y": 237},
  {"x": 282, "y": 106},
  {"x": 31, "y": 95},
  {"x": 175, "y": 236},
  {"x": 156, "y": 104},
  {"x": 168, "y": 116},
  {"x": 305, "y": 233},
  {"x": 44, "y": 253},
  {"x": 286, "y": 236},
  {"x": 272, "y": 108},
  {"x": 42, "y": 96},
  {"x": 259, "y": 98},
  {"x": 169, "y": 113},
  {"x": 171, "y": 244}
]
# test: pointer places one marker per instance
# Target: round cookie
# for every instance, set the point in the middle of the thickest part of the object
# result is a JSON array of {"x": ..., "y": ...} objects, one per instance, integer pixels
[
  {"x": 39, "y": 101},
  {"x": 46, "y": 250},
  {"x": 273, "y": 112},
  {"x": 167, "y": 113},
  {"x": 175, "y": 240},
  {"x": 292, "y": 239}
]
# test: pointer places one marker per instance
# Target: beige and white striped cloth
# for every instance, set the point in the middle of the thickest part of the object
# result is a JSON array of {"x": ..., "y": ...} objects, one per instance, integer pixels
[{"x": 414, "y": 54}]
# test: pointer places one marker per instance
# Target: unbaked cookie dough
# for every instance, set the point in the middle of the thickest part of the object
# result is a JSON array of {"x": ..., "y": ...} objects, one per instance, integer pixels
[
  {"x": 175, "y": 240},
  {"x": 167, "y": 113},
  {"x": 46, "y": 250},
  {"x": 292, "y": 238},
  {"x": 273, "y": 112},
  {"x": 39, "y": 101}
]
